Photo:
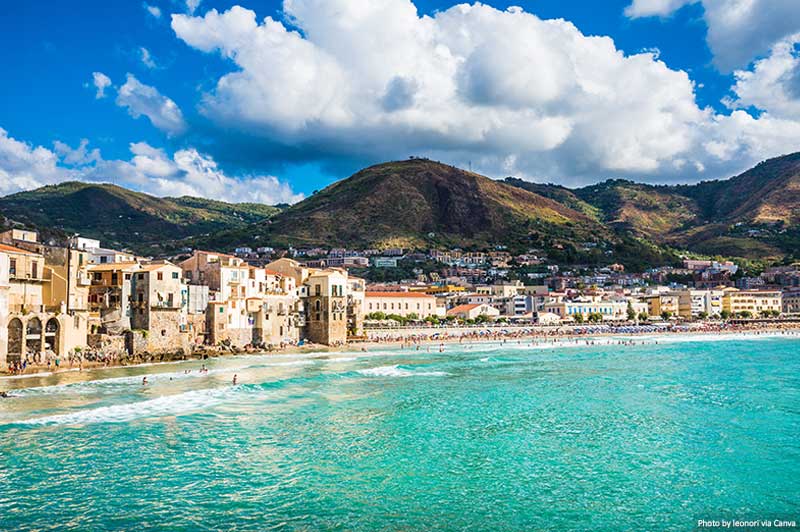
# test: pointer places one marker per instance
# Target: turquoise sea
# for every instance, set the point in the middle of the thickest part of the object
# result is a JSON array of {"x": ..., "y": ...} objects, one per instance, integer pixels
[{"x": 489, "y": 437}]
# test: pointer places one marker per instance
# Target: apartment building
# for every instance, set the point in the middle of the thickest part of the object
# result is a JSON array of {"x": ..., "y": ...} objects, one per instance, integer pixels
[
  {"x": 756, "y": 302},
  {"x": 406, "y": 304}
]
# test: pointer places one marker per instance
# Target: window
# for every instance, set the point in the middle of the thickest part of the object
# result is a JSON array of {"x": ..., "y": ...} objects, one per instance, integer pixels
[
  {"x": 35, "y": 270},
  {"x": 188, "y": 275},
  {"x": 12, "y": 266},
  {"x": 160, "y": 276},
  {"x": 127, "y": 277},
  {"x": 317, "y": 290},
  {"x": 103, "y": 259},
  {"x": 175, "y": 275}
]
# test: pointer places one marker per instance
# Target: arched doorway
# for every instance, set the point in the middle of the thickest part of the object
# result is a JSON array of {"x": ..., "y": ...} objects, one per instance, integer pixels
[
  {"x": 14, "y": 340},
  {"x": 33, "y": 336},
  {"x": 51, "y": 330}
]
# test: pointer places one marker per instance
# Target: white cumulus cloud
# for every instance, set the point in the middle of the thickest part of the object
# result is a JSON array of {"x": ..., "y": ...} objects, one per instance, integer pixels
[
  {"x": 101, "y": 82},
  {"x": 141, "y": 99},
  {"x": 773, "y": 83},
  {"x": 23, "y": 166},
  {"x": 738, "y": 30},
  {"x": 471, "y": 82},
  {"x": 655, "y": 8},
  {"x": 503, "y": 90},
  {"x": 151, "y": 170}
]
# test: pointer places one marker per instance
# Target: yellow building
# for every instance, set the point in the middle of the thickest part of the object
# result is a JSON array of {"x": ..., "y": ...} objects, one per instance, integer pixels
[
  {"x": 444, "y": 289},
  {"x": 657, "y": 304},
  {"x": 694, "y": 303},
  {"x": 756, "y": 302}
]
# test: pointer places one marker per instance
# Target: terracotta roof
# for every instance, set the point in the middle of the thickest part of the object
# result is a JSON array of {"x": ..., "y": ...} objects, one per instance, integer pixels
[
  {"x": 397, "y": 294},
  {"x": 272, "y": 272},
  {"x": 154, "y": 267},
  {"x": 12, "y": 249},
  {"x": 110, "y": 266},
  {"x": 462, "y": 308}
]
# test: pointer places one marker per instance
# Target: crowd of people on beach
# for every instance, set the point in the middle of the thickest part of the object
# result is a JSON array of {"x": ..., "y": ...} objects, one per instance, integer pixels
[{"x": 566, "y": 334}]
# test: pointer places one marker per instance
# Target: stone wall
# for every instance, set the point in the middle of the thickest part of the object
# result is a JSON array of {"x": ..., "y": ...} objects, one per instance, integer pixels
[
  {"x": 112, "y": 346},
  {"x": 165, "y": 335}
]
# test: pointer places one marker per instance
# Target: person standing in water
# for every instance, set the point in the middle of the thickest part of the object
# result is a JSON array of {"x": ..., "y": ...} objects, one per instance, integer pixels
[
  {"x": 144, "y": 381},
  {"x": 235, "y": 379}
]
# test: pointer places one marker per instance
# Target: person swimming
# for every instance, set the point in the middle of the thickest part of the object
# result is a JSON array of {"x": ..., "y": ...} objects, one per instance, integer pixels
[{"x": 4, "y": 395}]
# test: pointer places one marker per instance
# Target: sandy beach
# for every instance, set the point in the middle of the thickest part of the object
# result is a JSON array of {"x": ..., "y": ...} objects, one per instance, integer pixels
[{"x": 432, "y": 339}]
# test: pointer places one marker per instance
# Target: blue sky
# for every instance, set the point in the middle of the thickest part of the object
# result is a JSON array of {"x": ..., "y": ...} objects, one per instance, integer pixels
[{"x": 223, "y": 105}]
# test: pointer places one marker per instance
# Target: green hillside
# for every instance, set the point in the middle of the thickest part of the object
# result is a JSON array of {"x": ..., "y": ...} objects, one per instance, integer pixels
[{"x": 124, "y": 218}]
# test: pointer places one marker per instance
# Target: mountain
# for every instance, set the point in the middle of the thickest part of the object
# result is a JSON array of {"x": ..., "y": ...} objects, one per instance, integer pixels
[
  {"x": 768, "y": 193},
  {"x": 644, "y": 210},
  {"x": 754, "y": 215},
  {"x": 124, "y": 218},
  {"x": 420, "y": 203},
  {"x": 557, "y": 193}
]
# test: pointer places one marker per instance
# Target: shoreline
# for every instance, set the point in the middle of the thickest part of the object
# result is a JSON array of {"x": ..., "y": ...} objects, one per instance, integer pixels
[
  {"x": 538, "y": 338},
  {"x": 556, "y": 335}
]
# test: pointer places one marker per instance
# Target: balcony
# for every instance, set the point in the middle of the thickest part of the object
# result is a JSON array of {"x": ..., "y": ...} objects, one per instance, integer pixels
[{"x": 25, "y": 278}]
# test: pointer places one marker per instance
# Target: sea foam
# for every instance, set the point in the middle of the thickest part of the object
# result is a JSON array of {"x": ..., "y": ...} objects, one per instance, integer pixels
[
  {"x": 166, "y": 405},
  {"x": 396, "y": 371}
]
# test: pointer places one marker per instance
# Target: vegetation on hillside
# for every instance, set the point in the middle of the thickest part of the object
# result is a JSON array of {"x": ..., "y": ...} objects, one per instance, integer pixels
[{"x": 124, "y": 218}]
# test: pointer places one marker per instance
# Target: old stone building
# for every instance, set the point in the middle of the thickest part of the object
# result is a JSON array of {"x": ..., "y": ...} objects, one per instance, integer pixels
[
  {"x": 38, "y": 324},
  {"x": 325, "y": 298},
  {"x": 332, "y": 303},
  {"x": 110, "y": 295},
  {"x": 158, "y": 306}
]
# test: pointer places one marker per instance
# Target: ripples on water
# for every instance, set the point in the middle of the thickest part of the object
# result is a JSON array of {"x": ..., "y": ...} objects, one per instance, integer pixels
[{"x": 485, "y": 437}]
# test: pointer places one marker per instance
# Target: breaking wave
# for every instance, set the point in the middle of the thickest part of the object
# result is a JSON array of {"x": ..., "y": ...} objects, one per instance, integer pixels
[
  {"x": 161, "y": 406},
  {"x": 396, "y": 371}
]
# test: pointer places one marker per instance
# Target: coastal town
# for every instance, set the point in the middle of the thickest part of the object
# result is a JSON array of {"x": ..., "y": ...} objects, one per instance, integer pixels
[{"x": 75, "y": 303}]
